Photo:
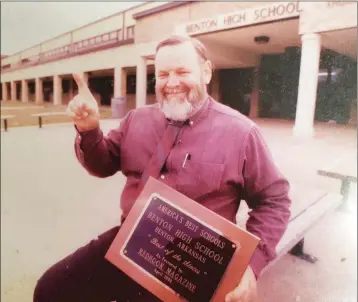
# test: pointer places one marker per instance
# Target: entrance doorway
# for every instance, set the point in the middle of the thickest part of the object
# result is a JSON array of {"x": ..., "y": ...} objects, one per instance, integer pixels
[
  {"x": 104, "y": 86},
  {"x": 337, "y": 88},
  {"x": 236, "y": 88}
]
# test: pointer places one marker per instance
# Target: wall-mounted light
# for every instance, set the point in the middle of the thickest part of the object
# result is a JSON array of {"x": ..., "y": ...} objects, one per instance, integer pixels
[{"x": 261, "y": 39}]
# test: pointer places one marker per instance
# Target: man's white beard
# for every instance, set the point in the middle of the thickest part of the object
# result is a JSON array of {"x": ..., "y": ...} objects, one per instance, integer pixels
[{"x": 177, "y": 110}]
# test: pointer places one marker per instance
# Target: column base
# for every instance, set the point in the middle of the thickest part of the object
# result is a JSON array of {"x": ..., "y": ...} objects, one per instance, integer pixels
[{"x": 300, "y": 132}]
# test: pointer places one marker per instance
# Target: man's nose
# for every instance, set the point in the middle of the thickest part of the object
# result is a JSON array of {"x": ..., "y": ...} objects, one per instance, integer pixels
[{"x": 173, "y": 81}]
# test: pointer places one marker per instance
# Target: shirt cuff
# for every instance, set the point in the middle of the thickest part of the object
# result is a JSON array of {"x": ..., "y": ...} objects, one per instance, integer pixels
[
  {"x": 87, "y": 139},
  {"x": 258, "y": 262}
]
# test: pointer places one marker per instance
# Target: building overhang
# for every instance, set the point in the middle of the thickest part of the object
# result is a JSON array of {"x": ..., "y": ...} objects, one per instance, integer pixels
[
  {"x": 242, "y": 18},
  {"x": 159, "y": 9}
]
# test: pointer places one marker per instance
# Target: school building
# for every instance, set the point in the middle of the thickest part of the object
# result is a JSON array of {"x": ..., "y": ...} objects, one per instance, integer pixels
[{"x": 283, "y": 60}]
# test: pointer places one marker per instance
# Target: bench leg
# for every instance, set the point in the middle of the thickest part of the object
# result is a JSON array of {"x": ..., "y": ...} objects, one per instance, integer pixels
[
  {"x": 40, "y": 121},
  {"x": 297, "y": 251},
  {"x": 5, "y": 124},
  {"x": 345, "y": 189}
]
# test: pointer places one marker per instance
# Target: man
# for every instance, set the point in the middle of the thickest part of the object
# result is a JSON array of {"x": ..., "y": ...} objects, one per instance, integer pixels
[{"x": 229, "y": 162}]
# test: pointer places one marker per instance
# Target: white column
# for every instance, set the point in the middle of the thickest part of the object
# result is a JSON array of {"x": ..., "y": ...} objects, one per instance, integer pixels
[
  {"x": 13, "y": 91},
  {"x": 39, "y": 98},
  {"x": 255, "y": 94},
  {"x": 120, "y": 82},
  {"x": 5, "y": 97},
  {"x": 141, "y": 91},
  {"x": 57, "y": 90},
  {"x": 307, "y": 89},
  {"x": 24, "y": 91}
]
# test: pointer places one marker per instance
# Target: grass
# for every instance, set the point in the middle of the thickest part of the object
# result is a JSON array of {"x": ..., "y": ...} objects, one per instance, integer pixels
[{"x": 23, "y": 116}]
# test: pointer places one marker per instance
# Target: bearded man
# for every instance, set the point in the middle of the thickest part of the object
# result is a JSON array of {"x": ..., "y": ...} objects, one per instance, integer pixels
[{"x": 229, "y": 162}]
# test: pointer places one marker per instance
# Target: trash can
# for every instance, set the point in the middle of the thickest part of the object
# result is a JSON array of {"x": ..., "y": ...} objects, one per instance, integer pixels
[{"x": 119, "y": 107}]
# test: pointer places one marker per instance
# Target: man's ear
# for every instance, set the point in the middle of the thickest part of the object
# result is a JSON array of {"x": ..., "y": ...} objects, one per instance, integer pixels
[{"x": 208, "y": 71}]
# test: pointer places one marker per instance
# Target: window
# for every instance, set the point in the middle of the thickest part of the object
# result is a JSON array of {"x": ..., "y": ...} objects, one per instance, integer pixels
[
  {"x": 323, "y": 75},
  {"x": 98, "y": 39},
  {"x": 335, "y": 74},
  {"x": 31, "y": 86},
  {"x": 131, "y": 84},
  {"x": 151, "y": 83},
  {"x": 66, "y": 86},
  {"x": 329, "y": 75}
]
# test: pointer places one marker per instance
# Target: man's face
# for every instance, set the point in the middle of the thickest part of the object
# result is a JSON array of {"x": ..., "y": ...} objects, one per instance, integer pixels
[{"x": 180, "y": 81}]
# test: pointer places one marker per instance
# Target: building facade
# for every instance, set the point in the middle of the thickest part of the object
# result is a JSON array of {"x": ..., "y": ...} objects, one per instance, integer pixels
[{"x": 286, "y": 60}]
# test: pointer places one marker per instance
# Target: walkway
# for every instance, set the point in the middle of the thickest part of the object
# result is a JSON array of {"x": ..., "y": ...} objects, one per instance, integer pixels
[{"x": 51, "y": 206}]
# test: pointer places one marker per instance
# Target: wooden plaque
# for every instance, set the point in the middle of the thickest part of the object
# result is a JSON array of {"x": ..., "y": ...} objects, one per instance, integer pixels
[{"x": 178, "y": 249}]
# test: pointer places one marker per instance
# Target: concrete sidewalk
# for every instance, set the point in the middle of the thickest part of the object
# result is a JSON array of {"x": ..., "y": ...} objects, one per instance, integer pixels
[{"x": 51, "y": 207}]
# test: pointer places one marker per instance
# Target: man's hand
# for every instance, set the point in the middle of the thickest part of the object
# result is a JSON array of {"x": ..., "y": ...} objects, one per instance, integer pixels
[
  {"x": 83, "y": 108},
  {"x": 246, "y": 291}
]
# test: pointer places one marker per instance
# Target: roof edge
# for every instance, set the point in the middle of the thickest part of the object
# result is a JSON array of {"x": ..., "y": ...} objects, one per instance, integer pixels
[{"x": 161, "y": 8}]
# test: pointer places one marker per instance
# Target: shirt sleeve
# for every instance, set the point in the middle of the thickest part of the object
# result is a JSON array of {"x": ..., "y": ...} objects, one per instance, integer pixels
[
  {"x": 99, "y": 154},
  {"x": 266, "y": 193}
]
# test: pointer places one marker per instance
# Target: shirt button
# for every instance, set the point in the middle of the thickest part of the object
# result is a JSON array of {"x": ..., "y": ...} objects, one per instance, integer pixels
[
  {"x": 191, "y": 122},
  {"x": 162, "y": 176}
]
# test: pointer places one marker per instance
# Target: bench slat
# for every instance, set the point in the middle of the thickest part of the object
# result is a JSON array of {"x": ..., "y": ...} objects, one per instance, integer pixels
[
  {"x": 49, "y": 113},
  {"x": 303, "y": 197},
  {"x": 351, "y": 177},
  {"x": 3, "y": 117},
  {"x": 298, "y": 227},
  {"x": 344, "y": 168}
]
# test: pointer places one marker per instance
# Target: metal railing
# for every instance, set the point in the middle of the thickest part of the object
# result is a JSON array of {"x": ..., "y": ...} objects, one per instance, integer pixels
[{"x": 95, "y": 43}]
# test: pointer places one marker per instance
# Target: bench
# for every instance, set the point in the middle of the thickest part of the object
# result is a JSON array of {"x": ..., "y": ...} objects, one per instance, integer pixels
[
  {"x": 308, "y": 207},
  {"x": 43, "y": 114},
  {"x": 344, "y": 169},
  {"x": 5, "y": 118}
]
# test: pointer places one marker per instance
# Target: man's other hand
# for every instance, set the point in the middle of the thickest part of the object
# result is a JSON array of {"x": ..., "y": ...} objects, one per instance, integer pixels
[
  {"x": 246, "y": 291},
  {"x": 83, "y": 108}
]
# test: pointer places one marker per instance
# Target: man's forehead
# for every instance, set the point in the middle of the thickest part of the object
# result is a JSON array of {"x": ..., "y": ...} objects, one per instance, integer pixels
[{"x": 177, "y": 54}]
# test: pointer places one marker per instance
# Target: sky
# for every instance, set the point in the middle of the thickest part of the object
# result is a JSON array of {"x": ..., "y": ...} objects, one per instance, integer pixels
[{"x": 25, "y": 24}]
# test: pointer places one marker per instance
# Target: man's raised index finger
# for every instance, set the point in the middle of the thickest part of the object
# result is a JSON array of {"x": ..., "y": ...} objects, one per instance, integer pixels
[{"x": 80, "y": 81}]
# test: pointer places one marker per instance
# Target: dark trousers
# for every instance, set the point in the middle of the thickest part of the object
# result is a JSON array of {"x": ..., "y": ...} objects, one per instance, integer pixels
[{"x": 87, "y": 276}]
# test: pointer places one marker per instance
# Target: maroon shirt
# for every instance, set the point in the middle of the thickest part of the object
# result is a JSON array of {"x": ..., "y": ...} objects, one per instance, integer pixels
[{"x": 229, "y": 162}]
